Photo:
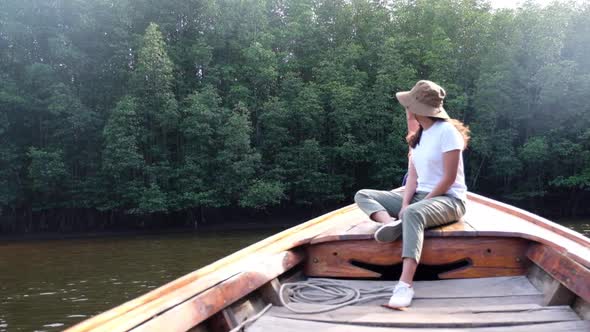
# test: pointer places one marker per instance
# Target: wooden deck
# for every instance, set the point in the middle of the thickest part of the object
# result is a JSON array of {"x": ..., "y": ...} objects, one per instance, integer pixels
[{"x": 509, "y": 304}]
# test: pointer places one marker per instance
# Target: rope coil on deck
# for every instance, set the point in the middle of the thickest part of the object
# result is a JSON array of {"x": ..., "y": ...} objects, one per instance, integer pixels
[{"x": 331, "y": 293}]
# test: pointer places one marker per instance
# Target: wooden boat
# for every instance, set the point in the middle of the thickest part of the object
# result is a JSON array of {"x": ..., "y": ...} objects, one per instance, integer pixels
[{"x": 498, "y": 269}]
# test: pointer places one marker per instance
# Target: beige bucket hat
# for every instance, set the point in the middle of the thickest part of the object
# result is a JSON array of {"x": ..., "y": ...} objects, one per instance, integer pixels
[{"x": 425, "y": 98}]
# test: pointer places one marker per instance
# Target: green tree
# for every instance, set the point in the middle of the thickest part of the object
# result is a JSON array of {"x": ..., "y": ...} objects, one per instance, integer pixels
[
  {"x": 122, "y": 162},
  {"x": 11, "y": 163},
  {"x": 219, "y": 163},
  {"x": 286, "y": 102},
  {"x": 151, "y": 84},
  {"x": 47, "y": 175}
]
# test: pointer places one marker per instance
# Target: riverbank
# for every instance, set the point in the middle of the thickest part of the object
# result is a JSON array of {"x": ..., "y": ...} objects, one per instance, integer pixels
[
  {"x": 581, "y": 225},
  {"x": 50, "y": 226},
  {"x": 203, "y": 229},
  {"x": 67, "y": 224}
]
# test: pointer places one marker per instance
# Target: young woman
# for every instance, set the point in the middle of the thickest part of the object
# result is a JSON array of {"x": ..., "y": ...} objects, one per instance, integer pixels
[{"x": 435, "y": 191}]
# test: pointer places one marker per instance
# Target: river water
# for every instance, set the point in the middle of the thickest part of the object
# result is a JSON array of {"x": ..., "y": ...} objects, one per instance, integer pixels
[
  {"x": 50, "y": 285},
  {"x": 53, "y": 284}
]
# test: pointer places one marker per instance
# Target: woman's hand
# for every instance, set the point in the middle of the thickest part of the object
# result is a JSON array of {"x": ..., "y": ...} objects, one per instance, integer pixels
[
  {"x": 410, "y": 189},
  {"x": 401, "y": 211}
]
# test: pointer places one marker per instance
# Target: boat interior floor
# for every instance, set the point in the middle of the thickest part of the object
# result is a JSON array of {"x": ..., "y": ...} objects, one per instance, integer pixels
[{"x": 496, "y": 304}]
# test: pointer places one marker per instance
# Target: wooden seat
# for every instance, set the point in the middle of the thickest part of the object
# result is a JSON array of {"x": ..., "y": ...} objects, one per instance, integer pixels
[
  {"x": 364, "y": 230},
  {"x": 484, "y": 218},
  {"x": 472, "y": 257}
]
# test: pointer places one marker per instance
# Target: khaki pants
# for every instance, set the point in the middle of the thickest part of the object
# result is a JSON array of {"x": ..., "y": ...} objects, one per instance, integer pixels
[{"x": 418, "y": 216}]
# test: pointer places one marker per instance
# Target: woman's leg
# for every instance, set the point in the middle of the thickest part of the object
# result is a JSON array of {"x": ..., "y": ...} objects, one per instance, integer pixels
[
  {"x": 437, "y": 211},
  {"x": 408, "y": 270},
  {"x": 417, "y": 217},
  {"x": 379, "y": 205}
]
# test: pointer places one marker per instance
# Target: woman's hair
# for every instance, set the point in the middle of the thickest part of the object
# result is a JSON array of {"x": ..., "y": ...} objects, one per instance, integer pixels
[{"x": 413, "y": 139}]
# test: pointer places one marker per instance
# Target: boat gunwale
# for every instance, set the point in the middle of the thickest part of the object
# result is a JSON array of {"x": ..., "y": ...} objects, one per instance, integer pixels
[
  {"x": 273, "y": 244},
  {"x": 204, "y": 305},
  {"x": 531, "y": 217}
]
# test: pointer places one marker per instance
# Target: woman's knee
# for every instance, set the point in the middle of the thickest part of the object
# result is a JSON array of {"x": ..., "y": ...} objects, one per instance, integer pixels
[
  {"x": 411, "y": 215},
  {"x": 361, "y": 195}
]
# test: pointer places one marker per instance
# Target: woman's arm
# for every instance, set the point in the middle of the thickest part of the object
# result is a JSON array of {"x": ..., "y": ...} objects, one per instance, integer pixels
[
  {"x": 411, "y": 184},
  {"x": 412, "y": 178},
  {"x": 450, "y": 167}
]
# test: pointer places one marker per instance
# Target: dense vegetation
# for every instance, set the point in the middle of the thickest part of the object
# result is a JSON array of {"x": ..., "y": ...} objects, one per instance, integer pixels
[{"x": 143, "y": 108}]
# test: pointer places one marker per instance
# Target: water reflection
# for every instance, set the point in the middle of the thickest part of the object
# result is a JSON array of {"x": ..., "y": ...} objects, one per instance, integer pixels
[
  {"x": 50, "y": 285},
  {"x": 580, "y": 226}
]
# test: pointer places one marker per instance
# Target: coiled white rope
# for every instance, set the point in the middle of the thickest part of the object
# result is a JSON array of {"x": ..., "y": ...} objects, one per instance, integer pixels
[{"x": 331, "y": 293}]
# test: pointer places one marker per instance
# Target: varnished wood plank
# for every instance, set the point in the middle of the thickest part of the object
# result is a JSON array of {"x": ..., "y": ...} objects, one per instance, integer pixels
[
  {"x": 531, "y": 218},
  {"x": 360, "y": 231},
  {"x": 554, "y": 292},
  {"x": 459, "y": 228},
  {"x": 354, "y": 218},
  {"x": 438, "y": 317},
  {"x": 488, "y": 220},
  {"x": 190, "y": 313},
  {"x": 365, "y": 229},
  {"x": 487, "y": 256},
  {"x": 572, "y": 275},
  {"x": 276, "y": 324}
]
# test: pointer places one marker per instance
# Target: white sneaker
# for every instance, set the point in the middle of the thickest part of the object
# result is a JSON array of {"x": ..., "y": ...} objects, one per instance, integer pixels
[
  {"x": 402, "y": 295},
  {"x": 389, "y": 232}
]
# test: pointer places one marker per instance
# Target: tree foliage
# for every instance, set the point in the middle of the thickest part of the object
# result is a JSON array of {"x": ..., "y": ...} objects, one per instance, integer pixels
[{"x": 167, "y": 107}]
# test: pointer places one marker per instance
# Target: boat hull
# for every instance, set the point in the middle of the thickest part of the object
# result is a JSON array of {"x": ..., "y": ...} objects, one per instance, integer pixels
[{"x": 493, "y": 240}]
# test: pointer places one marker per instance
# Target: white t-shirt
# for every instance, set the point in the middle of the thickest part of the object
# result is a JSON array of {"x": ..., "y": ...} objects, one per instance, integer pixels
[{"x": 427, "y": 157}]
